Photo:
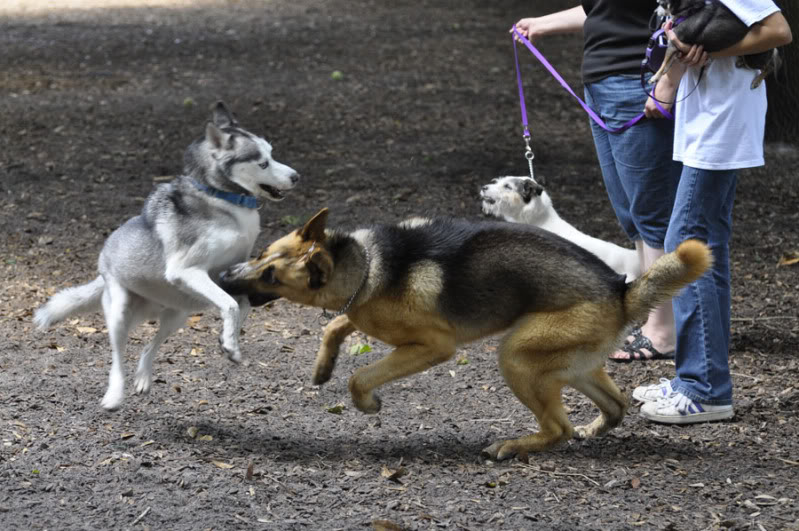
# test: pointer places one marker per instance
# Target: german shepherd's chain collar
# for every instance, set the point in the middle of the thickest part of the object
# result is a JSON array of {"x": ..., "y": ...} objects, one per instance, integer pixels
[{"x": 344, "y": 309}]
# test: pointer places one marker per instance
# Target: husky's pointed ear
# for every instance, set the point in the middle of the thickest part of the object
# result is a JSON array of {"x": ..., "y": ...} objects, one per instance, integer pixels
[
  {"x": 218, "y": 138},
  {"x": 314, "y": 229},
  {"x": 320, "y": 265},
  {"x": 221, "y": 115}
]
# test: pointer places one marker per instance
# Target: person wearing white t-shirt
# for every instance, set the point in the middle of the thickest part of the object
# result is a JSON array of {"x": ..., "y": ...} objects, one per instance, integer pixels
[{"x": 719, "y": 129}]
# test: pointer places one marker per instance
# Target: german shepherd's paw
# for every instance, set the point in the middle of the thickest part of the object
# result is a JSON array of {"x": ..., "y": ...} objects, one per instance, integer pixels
[
  {"x": 501, "y": 450},
  {"x": 323, "y": 366},
  {"x": 369, "y": 403}
]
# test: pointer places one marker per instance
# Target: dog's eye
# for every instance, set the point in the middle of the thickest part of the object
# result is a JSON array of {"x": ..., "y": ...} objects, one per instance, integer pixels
[
  {"x": 268, "y": 276},
  {"x": 508, "y": 187},
  {"x": 264, "y": 165}
]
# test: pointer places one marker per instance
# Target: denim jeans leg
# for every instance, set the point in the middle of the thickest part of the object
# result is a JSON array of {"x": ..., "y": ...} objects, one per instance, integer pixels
[
  {"x": 637, "y": 167},
  {"x": 607, "y": 164},
  {"x": 703, "y": 210}
]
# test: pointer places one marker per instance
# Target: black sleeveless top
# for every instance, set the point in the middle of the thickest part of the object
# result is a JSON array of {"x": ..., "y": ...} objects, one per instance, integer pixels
[{"x": 616, "y": 33}]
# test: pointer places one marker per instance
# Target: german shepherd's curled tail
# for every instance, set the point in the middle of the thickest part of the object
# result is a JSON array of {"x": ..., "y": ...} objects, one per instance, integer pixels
[
  {"x": 665, "y": 278},
  {"x": 70, "y": 301}
]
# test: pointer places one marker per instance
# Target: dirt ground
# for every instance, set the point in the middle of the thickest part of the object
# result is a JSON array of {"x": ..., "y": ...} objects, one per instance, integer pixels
[{"x": 97, "y": 107}]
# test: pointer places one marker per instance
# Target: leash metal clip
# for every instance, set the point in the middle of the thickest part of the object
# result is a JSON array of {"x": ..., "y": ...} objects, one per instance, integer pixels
[{"x": 528, "y": 153}]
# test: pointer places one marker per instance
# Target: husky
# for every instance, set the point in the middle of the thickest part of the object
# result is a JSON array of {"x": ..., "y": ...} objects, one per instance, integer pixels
[
  {"x": 163, "y": 263},
  {"x": 523, "y": 200},
  {"x": 426, "y": 286}
]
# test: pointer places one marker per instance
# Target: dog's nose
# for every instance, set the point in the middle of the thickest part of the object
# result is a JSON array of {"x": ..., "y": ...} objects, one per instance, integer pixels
[
  {"x": 539, "y": 190},
  {"x": 294, "y": 178},
  {"x": 484, "y": 188}
]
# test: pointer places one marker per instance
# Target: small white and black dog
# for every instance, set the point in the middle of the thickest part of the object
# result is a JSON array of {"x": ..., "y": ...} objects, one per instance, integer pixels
[
  {"x": 164, "y": 262},
  {"x": 523, "y": 200}
]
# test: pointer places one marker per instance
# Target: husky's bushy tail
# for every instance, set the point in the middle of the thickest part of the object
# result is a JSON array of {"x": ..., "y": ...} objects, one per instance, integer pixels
[
  {"x": 665, "y": 278},
  {"x": 70, "y": 301}
]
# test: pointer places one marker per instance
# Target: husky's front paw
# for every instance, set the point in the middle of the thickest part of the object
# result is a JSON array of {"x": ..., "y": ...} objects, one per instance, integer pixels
[
  {"x": 231, "y": 350},
  {"x": 112, "y": 399},
  {"x": 142, "y": 382}
]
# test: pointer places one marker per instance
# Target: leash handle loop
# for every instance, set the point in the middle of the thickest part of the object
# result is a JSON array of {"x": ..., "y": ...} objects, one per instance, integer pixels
[{"x": 538, "y": 55}]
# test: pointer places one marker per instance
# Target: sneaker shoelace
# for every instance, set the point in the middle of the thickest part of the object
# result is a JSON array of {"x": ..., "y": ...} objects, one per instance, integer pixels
[{"x": 681, "y": 404}]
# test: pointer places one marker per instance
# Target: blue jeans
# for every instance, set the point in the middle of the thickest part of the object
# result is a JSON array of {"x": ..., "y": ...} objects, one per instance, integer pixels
[
  {"x": 703, "y": 210},
  {"x": 639, "y": 173}
]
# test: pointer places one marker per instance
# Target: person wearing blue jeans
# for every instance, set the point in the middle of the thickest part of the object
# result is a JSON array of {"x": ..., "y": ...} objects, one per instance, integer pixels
[
  {"x": 719, "y": 129},
  {"x": 637, "y": 167}
]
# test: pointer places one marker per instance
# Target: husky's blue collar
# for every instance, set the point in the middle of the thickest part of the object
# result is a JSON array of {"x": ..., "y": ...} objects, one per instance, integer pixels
[{"x": 243, "y": 200}]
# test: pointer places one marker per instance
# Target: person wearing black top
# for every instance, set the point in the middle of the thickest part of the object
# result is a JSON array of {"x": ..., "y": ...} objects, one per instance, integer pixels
[{"x": 637, "y": 167}]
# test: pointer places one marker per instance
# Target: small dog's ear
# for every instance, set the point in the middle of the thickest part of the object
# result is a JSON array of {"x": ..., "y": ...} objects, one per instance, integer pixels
[
  {"x": 314, "y": 228},
  {"x": 221, "y": 115},
  {"x": 218, "y": 138},
  {"x": 320, "y": 265},
  {"x": 528, "y": 188}
]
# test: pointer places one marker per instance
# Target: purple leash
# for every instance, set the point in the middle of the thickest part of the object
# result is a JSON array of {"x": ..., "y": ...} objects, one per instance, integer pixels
[{"x": 594, "y": 116}]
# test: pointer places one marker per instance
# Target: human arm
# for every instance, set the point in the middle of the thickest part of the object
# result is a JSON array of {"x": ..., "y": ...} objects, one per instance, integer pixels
[
  {"x": 666, "y": 89},
  {"x": 567, "y": 21},
  {"x": 771, "y": 32}
]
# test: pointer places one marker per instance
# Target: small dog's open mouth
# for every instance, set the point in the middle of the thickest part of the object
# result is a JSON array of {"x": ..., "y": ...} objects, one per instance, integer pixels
[
  {"x": 273, "y": 192},
  {"x": 489, "y": 200}
]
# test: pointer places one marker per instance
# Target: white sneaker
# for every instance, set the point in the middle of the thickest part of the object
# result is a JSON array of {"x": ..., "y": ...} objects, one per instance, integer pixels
[
  {"x": 679, "y": 409},
  {"x": 655, "y": 392}
]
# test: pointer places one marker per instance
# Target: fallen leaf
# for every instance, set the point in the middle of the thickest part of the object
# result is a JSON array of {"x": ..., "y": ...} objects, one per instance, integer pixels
[
  {"x": 205, "y": 438},
  {"x": 393, "y": 474},
  {"x": 635, "y": 483},
  {"x": 221, "y": 464},
  {"x": 127, "y": 435},
  {"x": 88, "y": 330},
  {"x": 192, "y": 431},
  {"x": 386, "y": 525},
  {"x": 789, "y": 258},
  {"x": 250, "y": 468},
  {"x": 336, "y": 410}
]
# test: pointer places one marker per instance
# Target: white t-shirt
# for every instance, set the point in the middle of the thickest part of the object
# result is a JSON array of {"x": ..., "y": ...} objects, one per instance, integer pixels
[{"x": 720, "y": 125}]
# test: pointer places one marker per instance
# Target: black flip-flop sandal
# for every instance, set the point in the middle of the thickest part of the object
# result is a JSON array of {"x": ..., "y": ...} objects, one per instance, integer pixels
[{"x": 638, "y": 346}]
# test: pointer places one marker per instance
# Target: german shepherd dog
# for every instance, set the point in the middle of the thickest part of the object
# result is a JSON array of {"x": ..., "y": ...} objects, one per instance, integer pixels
[
  {"x": 426, "y": 286},
  {"x": 164, "y": 262}
]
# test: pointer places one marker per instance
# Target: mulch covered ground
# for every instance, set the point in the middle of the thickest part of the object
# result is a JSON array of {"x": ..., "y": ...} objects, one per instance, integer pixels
[{"x": 97, "y": 106}]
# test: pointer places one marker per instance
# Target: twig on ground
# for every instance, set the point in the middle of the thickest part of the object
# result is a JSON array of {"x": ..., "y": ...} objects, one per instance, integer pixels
[
  {"x": 142, "y": 515},
  {"x": 553, "y": 473}
]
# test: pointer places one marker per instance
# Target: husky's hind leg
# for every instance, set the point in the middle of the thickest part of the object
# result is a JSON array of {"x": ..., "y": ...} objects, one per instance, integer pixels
[
  {"x": 123, "y": 310},
  {"x": 169, "y": 321}
]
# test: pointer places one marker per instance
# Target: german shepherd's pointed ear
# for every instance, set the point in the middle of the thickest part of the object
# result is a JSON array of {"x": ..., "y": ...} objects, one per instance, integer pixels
[
  {"x": 320, "y": 265},
  {"x": 314, "y": 228},
  {"x": 221, "y": 115}
]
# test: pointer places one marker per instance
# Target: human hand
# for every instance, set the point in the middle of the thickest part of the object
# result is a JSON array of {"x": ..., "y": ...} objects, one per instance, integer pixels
[
  {"x": 665, "y": 91},
  {"x": 690, "y": 54},
  {"x": 530, "y": 27}
]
